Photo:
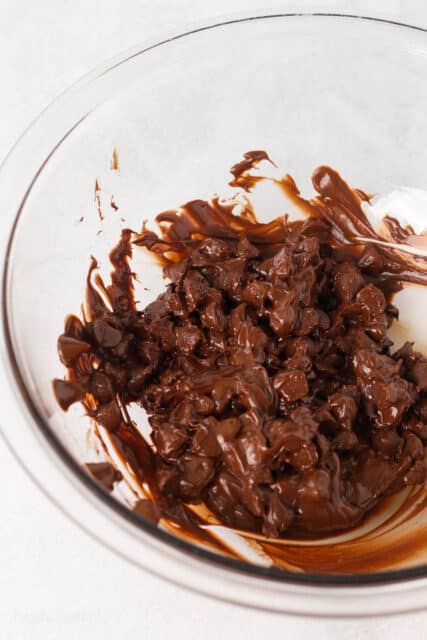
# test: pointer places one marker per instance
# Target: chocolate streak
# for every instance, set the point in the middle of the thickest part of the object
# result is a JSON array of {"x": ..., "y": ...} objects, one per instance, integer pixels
[{"x": 273, "y": 393}]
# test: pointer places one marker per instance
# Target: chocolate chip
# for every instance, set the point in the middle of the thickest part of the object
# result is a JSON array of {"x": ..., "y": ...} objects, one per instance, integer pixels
[
  {"x": 148, "y": 510},
  {"x": 105, "y": 473},
  {"x": 69, "y": 349},
  {"x": 292, "y": 385},
  {"x": 67, "y": 392},
  {"x": 105, "y": 334},
  {"x": 109, "y": 415},
  {"x": 101, "y": 387}
]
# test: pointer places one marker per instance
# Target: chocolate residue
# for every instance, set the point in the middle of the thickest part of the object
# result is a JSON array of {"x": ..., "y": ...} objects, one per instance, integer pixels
[
  {"x": 240, "y": 170},
  {"x": 105, "y": 473},
  {"x": 113, "y": 204},
  {"x": 265, "y": 367},
  {"x": 114, "y": 165},
  {"x": 97, "y": 199}
]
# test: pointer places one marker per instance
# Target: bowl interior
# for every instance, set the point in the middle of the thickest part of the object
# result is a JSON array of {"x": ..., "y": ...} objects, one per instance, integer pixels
[{"x": 310, "y": 90}]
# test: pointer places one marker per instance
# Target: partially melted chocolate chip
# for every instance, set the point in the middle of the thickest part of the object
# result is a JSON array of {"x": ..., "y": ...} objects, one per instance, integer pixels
[
  {"x": 105, "y": 473},
  {"x": 67, "y": 392}
]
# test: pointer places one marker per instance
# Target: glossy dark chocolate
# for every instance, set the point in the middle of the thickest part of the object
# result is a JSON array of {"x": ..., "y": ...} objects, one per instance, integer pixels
[{"x": 265, "y": 367}]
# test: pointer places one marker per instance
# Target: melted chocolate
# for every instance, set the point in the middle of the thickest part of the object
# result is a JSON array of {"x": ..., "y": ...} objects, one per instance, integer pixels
[{"x": 271, "y": 386}]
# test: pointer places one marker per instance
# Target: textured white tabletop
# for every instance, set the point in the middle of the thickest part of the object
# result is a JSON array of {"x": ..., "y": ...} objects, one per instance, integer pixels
[{"x": 55, "y": 582}]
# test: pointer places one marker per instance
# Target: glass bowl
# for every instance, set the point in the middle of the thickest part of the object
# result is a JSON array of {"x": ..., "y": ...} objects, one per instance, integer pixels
[{"x": 309, "y": 88}]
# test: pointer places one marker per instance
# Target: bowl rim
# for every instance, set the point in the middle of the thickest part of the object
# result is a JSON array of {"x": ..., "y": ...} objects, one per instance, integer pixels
[{"x": 36, "y": 420}]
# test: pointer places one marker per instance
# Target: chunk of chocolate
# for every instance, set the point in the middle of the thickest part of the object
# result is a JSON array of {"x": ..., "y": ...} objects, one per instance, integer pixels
[
  {"x": 105, "y": 473},
  {"x": 67, "y": 392},
  {"x": 69, "y": 349}
]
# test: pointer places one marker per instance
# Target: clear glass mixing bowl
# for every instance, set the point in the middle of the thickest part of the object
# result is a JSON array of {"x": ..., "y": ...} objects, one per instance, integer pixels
[{"x": 311, "y": 89}]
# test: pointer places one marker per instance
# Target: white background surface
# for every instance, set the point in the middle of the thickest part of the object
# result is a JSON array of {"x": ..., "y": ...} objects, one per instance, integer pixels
[{"x": 55, "y": 582}]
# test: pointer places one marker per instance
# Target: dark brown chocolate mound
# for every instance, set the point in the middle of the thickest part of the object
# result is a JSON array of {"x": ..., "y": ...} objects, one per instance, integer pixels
[{"x": 265, "y": 367}]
